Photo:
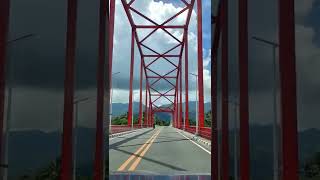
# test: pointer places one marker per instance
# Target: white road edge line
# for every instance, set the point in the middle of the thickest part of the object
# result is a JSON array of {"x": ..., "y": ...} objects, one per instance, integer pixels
[{"x": 195, "y": 143}]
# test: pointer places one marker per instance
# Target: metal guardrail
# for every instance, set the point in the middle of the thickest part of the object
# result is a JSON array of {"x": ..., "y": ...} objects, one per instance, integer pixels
[
  {"x": 122, "y": 128},
  {"x": 204, "y": 132}
]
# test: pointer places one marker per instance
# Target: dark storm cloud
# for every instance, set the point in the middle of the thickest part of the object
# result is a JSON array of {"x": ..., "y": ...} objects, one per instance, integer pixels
[
  {"x": 263, "y": 23},
  {"x": 39, "y": 60}
]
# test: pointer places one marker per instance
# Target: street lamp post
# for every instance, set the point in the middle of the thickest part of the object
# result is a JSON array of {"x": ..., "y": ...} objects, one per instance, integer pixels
[
  {"x": 275, "y": 112},
  {"x": 235, "y": 104},
  {"x": 76, "y": 104},
  {"x": 197, "y": 122},
  {"x": 110, "y": 115},
  {"x": 9, "y": 103}
]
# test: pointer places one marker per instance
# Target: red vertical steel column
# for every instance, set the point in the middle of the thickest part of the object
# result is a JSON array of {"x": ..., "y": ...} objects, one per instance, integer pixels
[
  {"x": 244, "y": 90},
  {"x": 214, "y": 96},
  {"x": 152, "y": 118},
  {"x": 200, "y": 65},
  {"x": 99, "y": 149},
  {"x": 111, "y": 34},
  {"x": 131, "y": 78},
  {"x": 176, "y": 109},
  {"x": 224, "y": 80},
  {"x": 145, "y": 122},
  {"x": 140, "y": 102},
  {"x": 287, "y": 67},
  {"x": 4, "y": 27},
  {"x": 186, "y": 73},
  {"x": 66, "y": 161},
  {"x": 150, "y": 114},
  {"x": 178, "y": 103},
  {"x": 181, "y": 116}
]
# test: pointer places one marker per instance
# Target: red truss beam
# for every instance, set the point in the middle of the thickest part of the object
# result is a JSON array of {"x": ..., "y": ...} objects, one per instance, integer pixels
[
  {"x": 166, "y": 56},
  {"x": 159, "y": 55},
  {"x": 162, "y": 95},
  {"x": 160, "y": 27}
]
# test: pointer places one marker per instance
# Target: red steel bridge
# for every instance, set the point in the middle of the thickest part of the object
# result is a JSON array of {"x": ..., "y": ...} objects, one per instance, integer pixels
[{"x": 173, "y": 78}]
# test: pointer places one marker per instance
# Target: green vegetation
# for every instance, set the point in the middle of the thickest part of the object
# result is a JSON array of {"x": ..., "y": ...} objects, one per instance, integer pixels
[
  {"x": 160, "y": 122},
  {"x": 51, "y": 172},
  {"x": 312, "y": 166},
  {"x": 207, "y": 120},
  {"x": 123, "y": 119}
]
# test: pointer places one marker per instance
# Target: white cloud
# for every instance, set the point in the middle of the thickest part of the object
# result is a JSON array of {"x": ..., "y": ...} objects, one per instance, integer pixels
[
  {"x": 302, "y": 8},
  {"x": 159, "y": 12}
]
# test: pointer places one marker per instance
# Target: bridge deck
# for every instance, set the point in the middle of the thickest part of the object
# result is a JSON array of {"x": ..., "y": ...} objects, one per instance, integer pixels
[{"x": 162, "y": 151}]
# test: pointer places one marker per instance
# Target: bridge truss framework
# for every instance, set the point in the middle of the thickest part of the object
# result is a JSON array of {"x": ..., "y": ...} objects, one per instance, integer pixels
[{"x": 289, "y": 154}]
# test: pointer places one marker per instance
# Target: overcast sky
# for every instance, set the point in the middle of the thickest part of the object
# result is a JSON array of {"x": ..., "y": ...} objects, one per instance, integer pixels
[{"x": 38, "y": 63}]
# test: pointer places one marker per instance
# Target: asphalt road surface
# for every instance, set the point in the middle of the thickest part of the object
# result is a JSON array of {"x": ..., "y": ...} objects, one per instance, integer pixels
[{"x": 164, "y": 150}]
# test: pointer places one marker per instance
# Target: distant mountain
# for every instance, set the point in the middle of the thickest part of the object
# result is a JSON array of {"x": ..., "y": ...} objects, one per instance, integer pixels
[
  {"x": 122, "y": 108},
  {"x": 30, "y": 151}
]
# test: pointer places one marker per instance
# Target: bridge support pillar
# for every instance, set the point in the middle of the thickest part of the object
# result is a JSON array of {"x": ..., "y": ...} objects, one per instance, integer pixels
[
  {"x": 180, "y": 101},
  {"x": 140, "y": 102},
  {"x": 67, "y": 137},
  {"x": 224, "y": 80},
  {"x": 244, "y": 90},
  {"x": 102, "y": 66},
  {"x": 131, "y": 79},
  {"x": 145, "y": 120},
  {"x": 288, "y": 91},
  {"x": 214, "y": 95},
  {"x": 4, "y": 27},
  {"x": 111, "y": 36},
  {"x": 186, "y": 66},
  {"x": 200, "y": 66}
]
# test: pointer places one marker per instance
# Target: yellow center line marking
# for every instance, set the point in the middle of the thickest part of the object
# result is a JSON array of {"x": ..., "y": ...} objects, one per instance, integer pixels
[
  {"x": 125, "y": 164},
  {"x": 137, "y": 161}
]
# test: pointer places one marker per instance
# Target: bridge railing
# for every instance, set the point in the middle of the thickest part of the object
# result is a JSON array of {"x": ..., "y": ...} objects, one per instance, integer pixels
[
  {"x": 204, "y": 132},
  {"x": 123, "y": 128}
]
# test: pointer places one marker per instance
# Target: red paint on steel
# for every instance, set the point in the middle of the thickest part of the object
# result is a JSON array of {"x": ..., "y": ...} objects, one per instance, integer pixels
[
  {"x": 146, "y": 107},
  {"x": 200, "y": 65},
  {"x": 140, "y": 102},
  {"x": 66, "y": 161},
  {"x": 111, "y": 36},
  {"x": 224, "y": 80},
  {"x": 186, "y": 72},
  {"x": 131, "y": 79},
  {"x": 244, "y": 90},
  {"x": 288, "y": 90},
  {"x": 160, "y": 56},
  {"x": 180, "y": 88},
  {"x": 214, "y": 96},
  {"x": 101, "y": 66},
  {"x": 4, "y": 27}
]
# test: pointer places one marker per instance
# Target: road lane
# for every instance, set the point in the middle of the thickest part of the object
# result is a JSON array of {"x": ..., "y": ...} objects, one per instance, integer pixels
[
  {"x": 169, "y": 152},
  {"x": 122, "y": 147}
]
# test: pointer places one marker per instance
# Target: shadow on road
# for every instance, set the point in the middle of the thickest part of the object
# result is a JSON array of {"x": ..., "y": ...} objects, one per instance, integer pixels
[
  {"x": 113, "y": 146},
  {"x": 158, "y": 142},
  {"x": 154, "y": 161}
]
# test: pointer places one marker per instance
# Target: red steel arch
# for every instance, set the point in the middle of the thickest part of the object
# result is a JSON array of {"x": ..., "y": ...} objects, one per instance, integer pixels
[{"x": 173, "y": 56}]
